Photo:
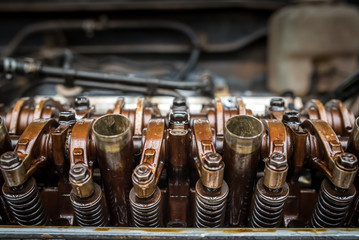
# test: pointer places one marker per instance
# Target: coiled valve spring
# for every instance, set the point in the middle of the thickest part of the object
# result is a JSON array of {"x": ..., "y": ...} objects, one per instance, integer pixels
[
  {"x": 332, "y": 206},
  {"x": 146, "y": 212},
  {"x": 90, "y": 211},
  {"x": 210, "y": 206},
  {"x": 268, "y": 206},
  {"x": 26, "y": 204}
]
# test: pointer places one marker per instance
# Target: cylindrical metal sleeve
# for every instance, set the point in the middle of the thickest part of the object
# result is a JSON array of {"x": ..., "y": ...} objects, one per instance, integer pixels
[
  {"x": 115, "y": 156},
  {"x": 241, "y": 155}
]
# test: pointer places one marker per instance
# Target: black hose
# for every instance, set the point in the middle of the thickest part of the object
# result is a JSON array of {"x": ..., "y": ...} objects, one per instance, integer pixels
[
  {"x": 347, "y": 89},
  {"x": 100, "y": 26}
]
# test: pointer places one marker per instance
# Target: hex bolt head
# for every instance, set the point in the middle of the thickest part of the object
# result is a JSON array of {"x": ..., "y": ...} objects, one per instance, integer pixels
[
  {"x": 212, "y": 160},
  {"x": 277, "y": 161},
  {"x": 9, "y": 160},
  {"x": 347, "y": 160},
  {"x": 79, "y": 172},
  {"x": 67, "y": 118},
  {"x": 142, "y": 173},
  {"x": 82, "y": 103},
  {"x": 179, "y": 101},
  {"x": 277, "y": 104},
  {"x": 291, "y": 117},
  {"x": 178, "y": 117}
]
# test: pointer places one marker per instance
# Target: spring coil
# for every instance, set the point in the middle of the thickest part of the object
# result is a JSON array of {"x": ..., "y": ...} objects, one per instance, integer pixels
[
  {"x": 90, "y": 212},
  {"x": 210, "y": 207},
  {"x": 268, "y": 206},
  {"x": 332, "y": 206},
  {"x": 26, "y": 204},
  {"x": 146, "y": 212}
]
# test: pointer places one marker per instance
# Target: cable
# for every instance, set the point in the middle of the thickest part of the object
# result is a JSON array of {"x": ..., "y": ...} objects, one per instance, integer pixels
[{"x": 100, "y": 26}]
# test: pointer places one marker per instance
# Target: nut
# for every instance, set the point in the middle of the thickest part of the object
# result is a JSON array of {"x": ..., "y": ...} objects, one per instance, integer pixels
[
  {"x": 79, "y": 172},
  {"x": 277, "y": 104},
  {"x": 212, "y": 160},
  {"x": 82, "y": 103},
  {"x": 291, "y": 117},
  {"x": 347, "y": 160},
  {"x": 142, "y": 173},
  {"x": 10, "y": 160},
  {"x": 178, "y": 117},
  {"x": 179, "y": 101},
  {"x": 67, "y": 118},
  {"x": 277, "y": 160}
]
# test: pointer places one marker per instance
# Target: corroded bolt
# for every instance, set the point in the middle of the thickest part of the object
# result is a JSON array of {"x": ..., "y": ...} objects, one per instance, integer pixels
[
  {"x": 178, "y": 117},
  {"x": 79, "y": 172},
  {"x": 347, "y": 160},
  {"x": 212, "y": 160},
  {"x": 277, "y": 160},
  {"x": 82, "y": 103},
  {"x": 291, "y": 117},
  {"x": 277, "y": 104},
  {"x": 142, "y": 173},
  {"x": 67, "y": 118},
  {"x": 9, "y": 160}
]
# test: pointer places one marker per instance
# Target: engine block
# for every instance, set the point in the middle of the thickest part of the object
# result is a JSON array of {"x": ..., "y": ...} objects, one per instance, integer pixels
[{"x": 136, "y": 165}]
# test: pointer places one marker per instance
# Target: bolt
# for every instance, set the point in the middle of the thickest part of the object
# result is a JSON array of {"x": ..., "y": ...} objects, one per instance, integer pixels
[
  {"x": 82, "y": 103},
  {"x": 347, "y": 160},
  {"x": 291, "y": 117},
  {"x": 79, "y": 172},
  {"x": 277, "y": 160},
  {"x": 67, "y": 118},
  {"x": 143, "y": 173},
  {"x": 9, "y": 160},
  {"x": 178, "y": 117},
  {"x": 212, "y": 160},
  {"x": 277, "y": 104},
  {"x": 179, "y": 101}
]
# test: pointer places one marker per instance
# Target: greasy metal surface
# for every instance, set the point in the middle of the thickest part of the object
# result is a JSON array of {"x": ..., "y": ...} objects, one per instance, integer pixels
[{"x": 175, "y": 233}]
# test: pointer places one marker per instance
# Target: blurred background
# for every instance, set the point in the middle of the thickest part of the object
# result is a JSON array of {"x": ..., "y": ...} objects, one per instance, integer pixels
[{"x": 306, "y": 49}]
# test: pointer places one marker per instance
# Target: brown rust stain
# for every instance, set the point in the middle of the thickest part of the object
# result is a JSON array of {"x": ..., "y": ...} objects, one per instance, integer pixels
[
  {"x": 102, "y": 229},
  {"x": 246, "y": 230},
  {"x": 155, "y": 230}
]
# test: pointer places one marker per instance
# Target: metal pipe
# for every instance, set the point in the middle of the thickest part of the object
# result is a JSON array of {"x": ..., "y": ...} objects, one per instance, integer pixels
[
  {"x": 115, "y": 156},
  {"x": 242, "y": 142}
]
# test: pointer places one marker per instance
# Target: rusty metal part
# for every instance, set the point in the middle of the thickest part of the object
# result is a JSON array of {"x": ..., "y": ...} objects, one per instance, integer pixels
[
  {"x": 32, "y": 150},
  {"x": 241, "y": 155},
  {"x": 334, "y": 113},
  {"x": 25, "y": 111},
  {"x": 26, "y": 204},
  {"x": 210, "y": 166},
  {"x": 90, "y": 211},
  {"x": 81, "y": 158},
  {"x": 146, "y": 212},
  {"x": 332, "y": 206},
  {"x": 146, "y": 174},
  {"x": 5, "y": 141},
  {"x": 268, "y": 206},
  {"x": 353, "y": 143},
  {"x": 210, "y": 206},
  {"x": 81, "y": 181},
  {"x": 326, "y": 154},
  {"x": 275, "y": 171},
  {"x": 115, "y": 156}
]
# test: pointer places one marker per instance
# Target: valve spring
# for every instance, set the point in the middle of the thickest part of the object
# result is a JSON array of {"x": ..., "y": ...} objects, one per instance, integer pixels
[
  {"x": 267, "y": 211},
  {"x": 332, "y": 206},
  {"x": 90, "y": 212},
  {"x": 210, "y": 207},
  {"x": 26, "y": 204},
  {"x": 146, "y": 212}
]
